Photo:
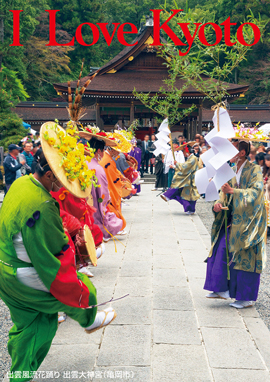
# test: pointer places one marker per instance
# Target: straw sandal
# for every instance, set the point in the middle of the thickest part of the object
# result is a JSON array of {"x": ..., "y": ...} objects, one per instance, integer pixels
[
  {"x": 164, "y": 198},
  {"x": 102, "y": 325}
]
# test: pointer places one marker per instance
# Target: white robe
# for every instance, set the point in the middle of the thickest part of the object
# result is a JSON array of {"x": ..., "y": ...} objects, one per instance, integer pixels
[{"x": 169, "y": 161}]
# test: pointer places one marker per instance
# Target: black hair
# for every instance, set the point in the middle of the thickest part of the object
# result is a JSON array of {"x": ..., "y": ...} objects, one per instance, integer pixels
[
  {"x": 243, "y": 145},
  {"x": 267, "y": 157},
  {"x": 37, "y": 154},
  {"x": 42, "y": 166},
  {"x": 96, "y": 144},
  {"x": 260, "y": 156}
]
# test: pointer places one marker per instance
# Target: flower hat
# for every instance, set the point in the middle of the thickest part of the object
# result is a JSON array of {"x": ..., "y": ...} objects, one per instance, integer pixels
[
  {"x": 67, "y": 160},
  {"x": 249, "y": 134},
  {"x": 123, "y": 145},
  {"x": 94, "y": 132}
]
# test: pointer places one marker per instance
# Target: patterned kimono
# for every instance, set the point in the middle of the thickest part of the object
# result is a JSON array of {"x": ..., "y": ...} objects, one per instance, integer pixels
[
  {"x": 33, "y": 245},
  {"x": 107, "y": 221},
  {"x": 183, "y": 188},
  {"x": 247, "y": 233},
  {"x": 115, "y": 185}
]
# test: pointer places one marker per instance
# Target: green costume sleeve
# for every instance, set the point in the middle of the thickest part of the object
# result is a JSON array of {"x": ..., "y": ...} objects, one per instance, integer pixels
[
  {"x": 44, "y": 240},
  {"x": 249, "y": 214}
]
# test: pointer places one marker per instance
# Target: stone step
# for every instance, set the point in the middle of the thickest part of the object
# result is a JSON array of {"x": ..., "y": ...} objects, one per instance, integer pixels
[{"x": 149, "y": 178}]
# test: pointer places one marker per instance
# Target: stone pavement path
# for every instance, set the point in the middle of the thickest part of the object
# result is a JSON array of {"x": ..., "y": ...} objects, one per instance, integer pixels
[{"x": 166, "y": 330}]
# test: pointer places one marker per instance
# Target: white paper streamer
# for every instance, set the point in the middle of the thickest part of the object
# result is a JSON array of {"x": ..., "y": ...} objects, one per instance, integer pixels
[
  {"x": 217, "y": 172},
  {"x": 163, "y": 139}
]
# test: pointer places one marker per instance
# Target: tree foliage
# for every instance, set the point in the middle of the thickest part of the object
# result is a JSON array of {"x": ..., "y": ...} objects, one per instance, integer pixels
[
  {"x": 13, "y": 86},
  {"x": 208, "y": 69},
  {"x": 39, "y": 66},
  {"x": 11, "y": 127}
]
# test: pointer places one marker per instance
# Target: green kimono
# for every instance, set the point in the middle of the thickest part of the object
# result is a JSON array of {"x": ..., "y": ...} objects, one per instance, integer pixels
[
  {"x": 247, "y": 214},
  {"x": 184, "y": 178},
  {"x": 30, "y": 215}
]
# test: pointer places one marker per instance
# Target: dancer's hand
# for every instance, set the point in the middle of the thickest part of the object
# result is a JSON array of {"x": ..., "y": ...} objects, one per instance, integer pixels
[
  {"x": 227, "y": 189},
  {"x": 217, "y": 207}
]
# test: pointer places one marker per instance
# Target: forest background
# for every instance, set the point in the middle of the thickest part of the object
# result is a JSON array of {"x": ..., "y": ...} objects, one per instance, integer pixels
[{"x": 36, "y": 66}]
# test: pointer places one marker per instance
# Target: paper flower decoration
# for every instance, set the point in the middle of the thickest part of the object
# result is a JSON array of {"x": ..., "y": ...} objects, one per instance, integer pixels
[{"x": 251, "y": 134}]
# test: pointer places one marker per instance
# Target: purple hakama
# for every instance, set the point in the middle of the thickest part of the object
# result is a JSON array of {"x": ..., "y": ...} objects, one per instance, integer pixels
[
  {"x": 175, "y": 194},
  {"x": 106, "y": 220},
  {"x": 137, "y": 154},
  {"x": 242, "y": 285}
]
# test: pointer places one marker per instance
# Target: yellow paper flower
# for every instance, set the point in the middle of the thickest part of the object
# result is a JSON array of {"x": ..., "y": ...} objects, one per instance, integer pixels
[
  {"x": 73, "y": 159},
  {"x": 51, "y": 141}
]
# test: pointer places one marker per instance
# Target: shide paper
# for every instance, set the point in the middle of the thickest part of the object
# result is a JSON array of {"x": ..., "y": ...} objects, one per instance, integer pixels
[
  {"x": 217, "y": 171},
  {"x": 163, "y": 139}
]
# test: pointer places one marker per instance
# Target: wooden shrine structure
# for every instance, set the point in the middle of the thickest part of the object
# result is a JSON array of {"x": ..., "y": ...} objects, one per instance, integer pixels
[{"x": 138, "y": 67}]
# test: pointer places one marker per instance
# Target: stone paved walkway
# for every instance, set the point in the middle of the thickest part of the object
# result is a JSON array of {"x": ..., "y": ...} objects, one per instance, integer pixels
[{"x": 166, "y": 330}]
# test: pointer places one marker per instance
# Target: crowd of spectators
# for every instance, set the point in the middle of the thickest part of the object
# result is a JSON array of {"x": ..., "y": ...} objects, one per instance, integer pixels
[{"x": 21, "y": 159}]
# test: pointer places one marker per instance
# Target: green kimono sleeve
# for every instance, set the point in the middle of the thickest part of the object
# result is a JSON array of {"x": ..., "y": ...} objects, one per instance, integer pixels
[{"x": 45, "y": 239}]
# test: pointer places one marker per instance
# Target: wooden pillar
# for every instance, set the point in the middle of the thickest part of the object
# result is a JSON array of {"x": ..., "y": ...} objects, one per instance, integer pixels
[
  {"x": 98, "y": 113},
  {"x": 131, "y": 118},
  {"x": 188, "y": 130},
  {"x": 200, "y": 118},
  {"x": 192, "y": 132}
]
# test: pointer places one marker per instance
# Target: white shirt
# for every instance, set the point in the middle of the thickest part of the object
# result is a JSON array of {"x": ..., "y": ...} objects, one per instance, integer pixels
[
  {"x": 169, "y": 160},
  {"x": 238, "y": 174}
]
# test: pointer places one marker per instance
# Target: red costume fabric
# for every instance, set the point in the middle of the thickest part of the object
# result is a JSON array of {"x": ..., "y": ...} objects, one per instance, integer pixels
[{"x": 81, "y": 210}]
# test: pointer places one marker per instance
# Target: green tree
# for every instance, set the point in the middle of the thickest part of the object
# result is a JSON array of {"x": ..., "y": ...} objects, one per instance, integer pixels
[
  {"x": 12, "y": 56},
  {"x": 47, "y": 64},
  {"x": 73, "y": 13},
  {"x": 13, "y": 86},
  {"x": 11, "y": 127}
]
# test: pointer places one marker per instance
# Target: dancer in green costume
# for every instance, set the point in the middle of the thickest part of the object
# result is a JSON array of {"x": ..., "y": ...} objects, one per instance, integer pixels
[{"x": 38, "y": 275}]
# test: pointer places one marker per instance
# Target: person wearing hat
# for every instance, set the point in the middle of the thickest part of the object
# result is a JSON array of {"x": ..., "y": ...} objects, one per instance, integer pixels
[
  {"x": 38, "y": 276},
  {"x": 246, "y": 229},
  {"x": 12, "y": 165},
  {"x": 183, "y": 188}
]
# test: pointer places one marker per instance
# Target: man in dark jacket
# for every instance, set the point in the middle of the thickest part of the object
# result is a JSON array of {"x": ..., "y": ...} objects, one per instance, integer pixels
[
  {"x": 12, "y": 165},
  {"x": 145, "y": 154}
]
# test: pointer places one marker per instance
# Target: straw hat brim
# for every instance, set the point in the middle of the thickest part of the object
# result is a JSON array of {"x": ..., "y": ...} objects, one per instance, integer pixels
[
  {"x": 90, "y": 245},
  {"x": 126, "y": 189},
  {"x": 88, "y": 136},
  {"x": 249, "y": 140},
  {"x": 54, "y": 159},
  {"x": 190, "y": 143}
]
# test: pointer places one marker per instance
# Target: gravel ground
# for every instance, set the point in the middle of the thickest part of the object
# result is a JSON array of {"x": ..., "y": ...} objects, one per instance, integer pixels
[
  {"x": 5, "y": 325},
  {"x": 204, "y": 210}
]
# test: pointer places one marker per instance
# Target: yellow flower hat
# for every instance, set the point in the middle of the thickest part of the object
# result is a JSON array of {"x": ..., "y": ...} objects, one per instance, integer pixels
[
  {"x": 123, "y": 145},
  {"x": 66, "y": 159}
]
